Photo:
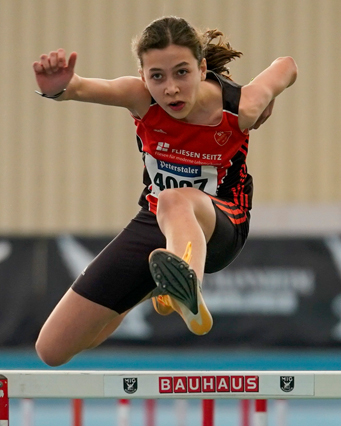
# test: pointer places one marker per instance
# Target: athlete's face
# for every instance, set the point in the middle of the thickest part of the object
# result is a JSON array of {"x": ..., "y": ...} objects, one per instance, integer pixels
[{"x": 172, "y": 76}]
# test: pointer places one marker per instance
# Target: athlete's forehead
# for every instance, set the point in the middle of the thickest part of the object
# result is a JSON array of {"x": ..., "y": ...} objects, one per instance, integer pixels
[
  {"x": 180, "y": 65},
  {"x": 170, "y": 57}
]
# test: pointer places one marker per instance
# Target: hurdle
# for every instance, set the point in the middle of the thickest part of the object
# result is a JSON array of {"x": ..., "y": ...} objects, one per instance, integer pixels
[{"x": 260, "y": 386}]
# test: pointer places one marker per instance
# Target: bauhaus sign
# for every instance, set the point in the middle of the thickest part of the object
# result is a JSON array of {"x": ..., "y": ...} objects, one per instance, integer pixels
[{"x": 204, "y": 384}]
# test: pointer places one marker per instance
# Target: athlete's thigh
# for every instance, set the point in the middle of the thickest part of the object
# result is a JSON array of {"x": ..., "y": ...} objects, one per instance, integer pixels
[
  {"x": 72, "y": 327},
  {"x": 119, "y": 277},
  {"x": 199, "y": 202},
  {"x": 226, "y": 242}
]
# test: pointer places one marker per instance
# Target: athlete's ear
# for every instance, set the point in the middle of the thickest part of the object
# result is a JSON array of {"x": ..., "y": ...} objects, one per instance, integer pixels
[
  {"x": 142, "y": 77},
  {"x": 142, "y": 74},
  {"x": 203, "y": 69}
]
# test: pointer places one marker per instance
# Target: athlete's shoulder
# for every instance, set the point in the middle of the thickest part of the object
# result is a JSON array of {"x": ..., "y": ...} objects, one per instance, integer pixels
[
  {"x": 132, "y": 86},
  {"x": 134, "y": 93}
]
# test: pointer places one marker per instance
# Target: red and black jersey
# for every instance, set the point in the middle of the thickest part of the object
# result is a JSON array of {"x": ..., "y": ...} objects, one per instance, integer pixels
[{"x": 211, "y": 158}]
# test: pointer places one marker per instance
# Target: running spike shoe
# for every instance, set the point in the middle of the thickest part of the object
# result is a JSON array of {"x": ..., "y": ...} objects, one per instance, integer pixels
[
  {"x": 180, "y": 289},
  {"x": 162, "y": 304}
]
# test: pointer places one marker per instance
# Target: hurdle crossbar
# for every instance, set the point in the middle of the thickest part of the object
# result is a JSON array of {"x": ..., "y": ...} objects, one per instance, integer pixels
[{"x": 170, "y": 384}]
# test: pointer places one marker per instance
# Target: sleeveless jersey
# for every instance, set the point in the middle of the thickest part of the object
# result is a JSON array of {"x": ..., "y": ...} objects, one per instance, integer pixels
[{"x": 211, "y": 158}]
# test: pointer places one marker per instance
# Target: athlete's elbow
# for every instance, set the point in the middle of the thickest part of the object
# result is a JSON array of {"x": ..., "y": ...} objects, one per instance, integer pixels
[
  {"x": 293, "y": 69},
  {"x": 290, "y": 68}
]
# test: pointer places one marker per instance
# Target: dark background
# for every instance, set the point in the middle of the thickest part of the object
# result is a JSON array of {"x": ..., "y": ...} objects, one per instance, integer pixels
[{"x": 279, "y": 292}]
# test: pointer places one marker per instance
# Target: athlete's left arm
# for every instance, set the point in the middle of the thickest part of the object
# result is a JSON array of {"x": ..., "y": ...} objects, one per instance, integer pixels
[
  {"x": 264, "y": 116},
  {"x": 263, "y": 89}
]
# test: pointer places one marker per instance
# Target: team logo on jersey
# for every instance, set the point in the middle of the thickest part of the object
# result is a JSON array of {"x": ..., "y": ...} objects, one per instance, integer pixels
[
  {"x": 130, "y": 384},
  {"x": 162, "y": 146},
  {"x": 222, "y": 137},
  {"x": 287, "y": 383}
]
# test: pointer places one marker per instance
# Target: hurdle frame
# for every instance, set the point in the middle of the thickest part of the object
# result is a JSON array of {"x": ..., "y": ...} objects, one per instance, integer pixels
[{"x": 205, "y": 385}]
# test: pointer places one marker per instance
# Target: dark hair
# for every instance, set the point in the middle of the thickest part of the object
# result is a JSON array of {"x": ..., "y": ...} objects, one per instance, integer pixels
[{"x": 168, "y": 30}]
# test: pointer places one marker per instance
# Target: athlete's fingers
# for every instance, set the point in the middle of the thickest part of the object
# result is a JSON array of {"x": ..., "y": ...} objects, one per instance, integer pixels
[
  {"x": 53, "y": 58},
  {"x": 44, "y": 60},
  {"x": 61, "y": 58},
  {"x": 258, "y": 123},
  {"x": 38, "y": 68},
  {"x": 262, "y": 121},
  {"x": 72, "y": 61}
]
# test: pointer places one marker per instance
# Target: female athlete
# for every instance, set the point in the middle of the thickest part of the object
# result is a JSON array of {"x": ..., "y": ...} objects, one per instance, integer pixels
[{"x": 192, "y": 126}]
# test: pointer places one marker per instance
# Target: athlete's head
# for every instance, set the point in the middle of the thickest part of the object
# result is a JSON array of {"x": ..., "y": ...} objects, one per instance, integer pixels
[
  {"x": 174, "y": 57},
  {"x": 174, "y": 30},
  {"x": 166, "y": 31}
]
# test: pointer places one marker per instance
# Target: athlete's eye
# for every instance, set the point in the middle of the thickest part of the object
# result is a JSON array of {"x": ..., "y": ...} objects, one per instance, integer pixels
[
  {"x": 156, "y": 76},
  {"x": 182, "y": 72}
]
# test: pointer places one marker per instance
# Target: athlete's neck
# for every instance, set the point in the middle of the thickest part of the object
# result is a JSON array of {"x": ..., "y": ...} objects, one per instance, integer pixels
[{"x": 208, "y": 109}]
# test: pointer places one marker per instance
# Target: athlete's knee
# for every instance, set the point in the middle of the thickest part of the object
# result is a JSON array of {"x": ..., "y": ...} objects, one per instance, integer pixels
[
  {"x": 49, "y": 354},
  {"x": 173, "y": 199}
]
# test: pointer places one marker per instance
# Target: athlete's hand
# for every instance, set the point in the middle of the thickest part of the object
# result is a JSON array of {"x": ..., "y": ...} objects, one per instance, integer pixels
[
  {"x": 264, "y": 116},
  {"x": 53, "y": 73}
]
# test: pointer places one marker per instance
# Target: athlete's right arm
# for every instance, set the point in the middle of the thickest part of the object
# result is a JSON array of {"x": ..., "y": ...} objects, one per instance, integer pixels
[
  {"x": 263, "y": 89},
  {"x": 54, "y": 74}
]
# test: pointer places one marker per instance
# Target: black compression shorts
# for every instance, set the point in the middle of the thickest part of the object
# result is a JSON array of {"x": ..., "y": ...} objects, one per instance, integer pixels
[{"x": 119, "y": 276}]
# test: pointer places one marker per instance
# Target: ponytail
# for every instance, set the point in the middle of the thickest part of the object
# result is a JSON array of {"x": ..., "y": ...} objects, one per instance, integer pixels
[{"x": 218, "y": 54}]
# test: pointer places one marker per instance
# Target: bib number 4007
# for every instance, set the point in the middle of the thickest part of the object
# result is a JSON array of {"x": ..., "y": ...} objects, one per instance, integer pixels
[{"x": 170, "y": 182}]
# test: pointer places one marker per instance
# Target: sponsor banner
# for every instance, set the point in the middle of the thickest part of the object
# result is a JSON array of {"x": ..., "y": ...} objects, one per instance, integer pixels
[
  {"x": 208, "y": 384},
  {"x": 218, "y": 384},
  {"x": 279, "y": 292}
]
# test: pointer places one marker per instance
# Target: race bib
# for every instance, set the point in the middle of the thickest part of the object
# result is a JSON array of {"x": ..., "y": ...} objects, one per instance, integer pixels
[{"x": 165, "y": 175}]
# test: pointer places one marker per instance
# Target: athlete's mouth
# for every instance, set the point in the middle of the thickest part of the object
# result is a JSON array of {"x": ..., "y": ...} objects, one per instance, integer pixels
[{"x": 176, "y": 106}]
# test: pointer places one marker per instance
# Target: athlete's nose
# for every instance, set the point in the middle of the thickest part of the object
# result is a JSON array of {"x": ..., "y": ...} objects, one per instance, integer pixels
[{"x": 171, "y": 88}]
